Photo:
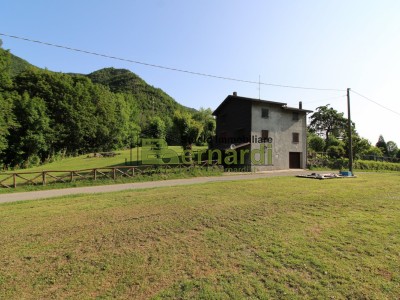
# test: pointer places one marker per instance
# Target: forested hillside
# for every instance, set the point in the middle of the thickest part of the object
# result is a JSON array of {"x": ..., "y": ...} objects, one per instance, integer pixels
[
  {"x": 151, "y": 101},
  {"x": 47, "y": 114}
]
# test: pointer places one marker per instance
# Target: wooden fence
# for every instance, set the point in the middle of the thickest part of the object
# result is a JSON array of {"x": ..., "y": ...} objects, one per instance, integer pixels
[{"x": 12, "y": 180}]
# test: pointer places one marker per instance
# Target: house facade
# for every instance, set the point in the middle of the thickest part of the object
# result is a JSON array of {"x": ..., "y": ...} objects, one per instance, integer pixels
[{"x": 266, "y": 135}]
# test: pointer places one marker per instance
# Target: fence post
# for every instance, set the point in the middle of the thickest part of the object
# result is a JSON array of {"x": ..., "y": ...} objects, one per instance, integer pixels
[
  {"x": 94, "y": 174},
  {"x": 114, "y": 174},
  {"x": 44, "y": 178},
  {"x": 71, "y": 176},
  {"x": 15, "y": 180}
]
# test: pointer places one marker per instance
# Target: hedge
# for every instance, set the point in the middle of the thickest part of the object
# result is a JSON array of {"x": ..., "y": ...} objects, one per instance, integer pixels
[{"x": 343, "y": 164}]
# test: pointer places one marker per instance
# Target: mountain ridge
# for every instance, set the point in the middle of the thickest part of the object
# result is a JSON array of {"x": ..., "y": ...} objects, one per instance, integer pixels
[{"x": 120, "y": 80}]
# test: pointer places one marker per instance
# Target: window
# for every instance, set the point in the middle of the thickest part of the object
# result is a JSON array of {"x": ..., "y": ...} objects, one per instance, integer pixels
[
  {"x": 295, "y": 137},
  {"x": 295, "y": 116},
  {"x": 264, "y": 113},
  {"x": 264, "y": 134}
]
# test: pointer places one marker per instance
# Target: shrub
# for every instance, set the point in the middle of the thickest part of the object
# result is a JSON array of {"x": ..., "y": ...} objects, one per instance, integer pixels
[
  {"x": 335, "y": 151},
  {"x": 376, "y": 165}
]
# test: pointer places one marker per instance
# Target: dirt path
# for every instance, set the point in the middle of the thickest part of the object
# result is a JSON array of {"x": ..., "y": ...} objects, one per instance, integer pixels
[{"x": 141, "y": 185}]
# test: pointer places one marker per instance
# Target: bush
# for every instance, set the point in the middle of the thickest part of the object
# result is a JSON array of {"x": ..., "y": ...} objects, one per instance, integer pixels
[
  {"x": 32, "y": 161},
  {"x": 316, "y": 143},
  {"x": 335, "y": 151},
  {"x": 376, "y": 165},
  {"x": 343, "y": 163}
]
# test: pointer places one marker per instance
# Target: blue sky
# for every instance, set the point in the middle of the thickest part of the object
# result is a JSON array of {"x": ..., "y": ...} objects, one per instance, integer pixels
[{"x": 323, "y": 44}]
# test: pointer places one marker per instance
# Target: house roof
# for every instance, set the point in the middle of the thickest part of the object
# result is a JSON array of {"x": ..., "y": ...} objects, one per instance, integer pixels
[{"x": 233, "y": 98}]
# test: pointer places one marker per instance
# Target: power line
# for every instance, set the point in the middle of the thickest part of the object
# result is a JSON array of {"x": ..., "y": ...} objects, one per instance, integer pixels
[
  {"x": 325, "y": 99},
  {"x": 168, "y": 68},
  {"x": 377, "y": 103}
]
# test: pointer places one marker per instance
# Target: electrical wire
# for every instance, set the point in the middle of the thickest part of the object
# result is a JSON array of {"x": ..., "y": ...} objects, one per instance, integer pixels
[
  {"x": 169, "y": 68},
  {"x": 377, "y": 103},
  {"x": 326, "y": 99}
]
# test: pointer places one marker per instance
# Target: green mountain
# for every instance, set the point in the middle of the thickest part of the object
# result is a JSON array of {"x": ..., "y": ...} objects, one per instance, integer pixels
[
  {"x": 150, "y": 100},
  {"x": 47, "y": 114}
]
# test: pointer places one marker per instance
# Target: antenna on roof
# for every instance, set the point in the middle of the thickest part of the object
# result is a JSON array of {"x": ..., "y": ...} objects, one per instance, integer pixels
[{"x": 259, "y": 87}]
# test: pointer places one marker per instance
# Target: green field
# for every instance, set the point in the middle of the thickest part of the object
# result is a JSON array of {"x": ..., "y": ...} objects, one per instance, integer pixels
[
  {"x": 88, "y": 161},
  {"x": 278, "y": 238}
]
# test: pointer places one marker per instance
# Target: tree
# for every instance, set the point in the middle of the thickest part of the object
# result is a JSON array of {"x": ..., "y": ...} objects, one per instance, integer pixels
[
  {"x": 5, "y": 63},
  {"x": 188, "y": 129},
  {"x": 391, "y": 148},
  {"x": 373, "y": 152},
  {"x": 30, "y": 140},
  {"x": 327, "y": 121},
  {"x": 206, "y": 119},
  {"x": 156, "y": 128},
  {"x": 316, "y": 143},
  {"x": 335, "y": 151},
  {"x": 7, "y": 118},
  {"x": 360, "y": 146},
  {"x": 382, "y": 145}
]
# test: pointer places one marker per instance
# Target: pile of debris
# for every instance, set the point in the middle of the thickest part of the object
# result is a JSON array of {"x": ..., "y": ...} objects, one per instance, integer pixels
[{"x": 344, "y": 174}]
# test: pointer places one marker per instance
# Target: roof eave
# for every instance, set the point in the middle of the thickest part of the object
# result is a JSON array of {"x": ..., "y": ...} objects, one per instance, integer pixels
[
  {"x": 229, "y": 97},
  {"x": 297, "y": 109}
]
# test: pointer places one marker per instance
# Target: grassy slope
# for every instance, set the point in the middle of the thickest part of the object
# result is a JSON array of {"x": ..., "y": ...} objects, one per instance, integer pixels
[
  {"x": 83, "y": 162},
  {"x": 282, "y": 237}
]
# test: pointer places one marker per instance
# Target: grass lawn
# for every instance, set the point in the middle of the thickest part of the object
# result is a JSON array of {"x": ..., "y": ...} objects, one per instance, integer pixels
[{"x": 279, "y": 238}]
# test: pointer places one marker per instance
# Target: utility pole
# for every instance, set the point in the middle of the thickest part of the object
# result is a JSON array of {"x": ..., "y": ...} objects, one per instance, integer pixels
[{"x": 349, "y": 133}]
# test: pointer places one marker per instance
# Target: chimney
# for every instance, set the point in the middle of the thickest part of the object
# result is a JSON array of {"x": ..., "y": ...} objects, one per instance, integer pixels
[
  {"x": 235, "y": 94},
  {"x": 300, "y": 105}
]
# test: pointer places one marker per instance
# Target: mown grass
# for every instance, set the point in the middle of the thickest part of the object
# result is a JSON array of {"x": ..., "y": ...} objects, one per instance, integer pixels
[{"x": 278, "y": 238}]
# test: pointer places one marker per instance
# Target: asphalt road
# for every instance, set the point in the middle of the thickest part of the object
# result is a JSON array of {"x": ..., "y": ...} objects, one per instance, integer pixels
[{"x": 12, "y": 197}]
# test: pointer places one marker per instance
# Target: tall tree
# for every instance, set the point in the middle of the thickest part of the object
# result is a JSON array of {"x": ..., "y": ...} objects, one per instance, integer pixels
[
  {"x": 392, "y": 148},
  {"x": 327, "y": 121},
  {"x": 30, "y": 140},
  {"x": 7, "y": 121},
  {"x": 382, "y": 145},
  {"x": 7, "y": 118}
]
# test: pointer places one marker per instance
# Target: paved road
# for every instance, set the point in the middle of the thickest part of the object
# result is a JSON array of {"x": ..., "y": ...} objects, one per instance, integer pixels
[{"x": 142, "y": 185}]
